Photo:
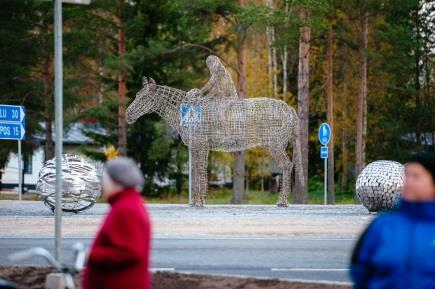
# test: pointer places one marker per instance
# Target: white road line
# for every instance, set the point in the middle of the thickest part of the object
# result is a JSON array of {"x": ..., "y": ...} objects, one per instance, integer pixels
[
  {"x": 309, "y": 269},
  {"x": 277, "y": 238},
  {"x": 162, "y": 269},
  {"x": 176, "y": 238}
]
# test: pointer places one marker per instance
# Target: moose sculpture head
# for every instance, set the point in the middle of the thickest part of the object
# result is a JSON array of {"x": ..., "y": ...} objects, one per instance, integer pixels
[
  {"x": 144, "y": 102},
  {"x": 155, "y": 98}
]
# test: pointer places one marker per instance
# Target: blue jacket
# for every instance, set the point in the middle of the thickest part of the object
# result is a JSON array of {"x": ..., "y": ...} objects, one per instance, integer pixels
[{"x": 397, "y": 250}]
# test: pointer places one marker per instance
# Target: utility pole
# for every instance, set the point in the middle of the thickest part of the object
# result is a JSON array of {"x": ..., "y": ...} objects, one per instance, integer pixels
[{"x": 58, "y": 111}]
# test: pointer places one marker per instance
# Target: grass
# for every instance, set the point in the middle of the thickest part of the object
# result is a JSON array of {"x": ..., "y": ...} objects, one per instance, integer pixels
[
  {"x": 256, "y": 197},
  {"x": 25, "y": 197},
  {"x": 218, "y": 196},
  {"x": 223, "y": 196}
]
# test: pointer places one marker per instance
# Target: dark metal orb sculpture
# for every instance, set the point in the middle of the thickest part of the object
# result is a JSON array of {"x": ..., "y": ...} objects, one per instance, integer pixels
[
  {"x": 380, "y": 184},
  {"x": 80, "y": 184}
]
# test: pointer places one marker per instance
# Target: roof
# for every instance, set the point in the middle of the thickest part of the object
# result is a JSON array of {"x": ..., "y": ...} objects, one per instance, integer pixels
[{"x": 74, "y": 134}]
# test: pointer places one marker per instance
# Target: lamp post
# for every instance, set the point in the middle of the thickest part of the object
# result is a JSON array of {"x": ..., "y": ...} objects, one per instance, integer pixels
[{"x": 58, "y": 103}]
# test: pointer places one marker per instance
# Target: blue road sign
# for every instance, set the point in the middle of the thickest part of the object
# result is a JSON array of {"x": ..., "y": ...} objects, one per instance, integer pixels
[
  {"x": 15, "y": 131},
  {"x": 12, "y": 122},
  {"x": 190, "y": 115},
  {"x": 324, "y": 133},
  {"x": 12, "y": 113},
  {"x": 324, "y": 152},
  {"x": 324, "y": 138}
]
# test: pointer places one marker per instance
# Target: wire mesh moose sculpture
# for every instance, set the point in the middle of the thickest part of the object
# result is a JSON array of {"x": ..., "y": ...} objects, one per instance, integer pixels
[{"x": 215, "y": 118}]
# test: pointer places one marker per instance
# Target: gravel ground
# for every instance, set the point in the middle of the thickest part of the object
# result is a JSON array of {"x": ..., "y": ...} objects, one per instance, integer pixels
[
  {"x": 33, "y": 219},
  {"x": 33, "y": 278}
]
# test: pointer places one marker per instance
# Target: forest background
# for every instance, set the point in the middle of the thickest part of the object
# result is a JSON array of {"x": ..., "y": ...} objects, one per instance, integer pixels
[{"x": 366, "y": 67}]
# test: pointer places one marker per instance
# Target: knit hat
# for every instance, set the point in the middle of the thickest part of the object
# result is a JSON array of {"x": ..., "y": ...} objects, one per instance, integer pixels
[
  {"x": 426, "y": 159},
  {"x": 125, "y": 172}
]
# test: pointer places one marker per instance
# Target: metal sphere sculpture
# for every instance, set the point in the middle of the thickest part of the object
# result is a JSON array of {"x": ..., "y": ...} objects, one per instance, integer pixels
[
  {"x": 215, "y": 118},
  {"x": 380, "y": 184},
  {"x": 80, "y": 184}
]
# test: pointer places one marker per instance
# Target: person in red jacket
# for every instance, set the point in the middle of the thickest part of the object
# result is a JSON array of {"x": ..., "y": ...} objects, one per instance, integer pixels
[{"x": 119, "y": 255}]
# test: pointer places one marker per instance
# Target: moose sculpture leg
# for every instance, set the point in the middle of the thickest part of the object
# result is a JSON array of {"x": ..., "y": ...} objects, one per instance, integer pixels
[
  {"x": 199, "y": 174},
  {"x": 283, "y": 161}
]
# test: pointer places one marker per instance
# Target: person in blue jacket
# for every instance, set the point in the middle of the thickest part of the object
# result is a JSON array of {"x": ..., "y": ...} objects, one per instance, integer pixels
[{"x": 397, "y": 250}]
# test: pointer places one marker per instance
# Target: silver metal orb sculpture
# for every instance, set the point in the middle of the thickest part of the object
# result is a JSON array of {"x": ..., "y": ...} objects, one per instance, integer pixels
[
  {"x": 80, "y": 184},
  {"x": 215, "y": 118},
  {"x": 380, "y": 184}
]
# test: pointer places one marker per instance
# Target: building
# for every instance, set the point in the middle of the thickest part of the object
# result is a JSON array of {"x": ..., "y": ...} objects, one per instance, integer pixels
[{"x": 74, "y": 139}]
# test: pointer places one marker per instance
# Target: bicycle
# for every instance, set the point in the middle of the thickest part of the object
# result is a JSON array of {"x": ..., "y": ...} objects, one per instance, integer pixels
[{"x": 62, "y": 276}]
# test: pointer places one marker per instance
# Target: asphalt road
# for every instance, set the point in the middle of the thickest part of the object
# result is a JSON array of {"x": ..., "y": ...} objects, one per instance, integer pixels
[{"x": 287, "y": 258}]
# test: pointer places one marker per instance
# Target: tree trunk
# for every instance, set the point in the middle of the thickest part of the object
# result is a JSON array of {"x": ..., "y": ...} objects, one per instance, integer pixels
[
  {"x": 122, "y": 84},
  {"x": 23, "y": 172},
  {"x": 47, "y": 81},
  {"x": 239, "y": 178},
  {"x": 284, "y": 59},
  {"x": 301, "y": 193},
  {"x": 270, "y": 31},
  {"x": 330, "y": 115},
  {"x": 269, "y": 56},
  {"x": 239, "y": 157},
  {"x": 361, "y": 117},
  {"x": 100, "y": 97},
  {"x": 344, "y": 134},
  {"x": 273, "y": 77},
  {"x": 275, "y": 66},
  {"x": 180, "y": 163},
  {"x": 418, "y": 130}
]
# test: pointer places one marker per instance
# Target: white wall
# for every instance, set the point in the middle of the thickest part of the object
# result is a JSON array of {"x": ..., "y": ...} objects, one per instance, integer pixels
[{"x": 10, "y": 174}]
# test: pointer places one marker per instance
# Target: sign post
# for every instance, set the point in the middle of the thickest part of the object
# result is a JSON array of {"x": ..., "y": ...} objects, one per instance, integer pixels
[
  {"x": 190, "y": 116},
  {"x": 20, "y": 172},
  {"x": 12, "y": 126},
  {"x": 324, "y": 138}
]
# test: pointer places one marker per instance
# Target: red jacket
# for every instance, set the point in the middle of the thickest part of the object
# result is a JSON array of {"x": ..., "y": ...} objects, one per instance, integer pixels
[{"x": 119, "y": 256}]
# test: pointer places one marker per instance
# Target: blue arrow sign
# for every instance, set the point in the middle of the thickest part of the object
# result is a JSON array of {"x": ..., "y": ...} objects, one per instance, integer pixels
[
  {"x": 324, "y": 133},
  {"x": 12, "y": 122},
  {"x": 12, "y": 113},
  {"x": 324, "y": 152},
  {"x": 15, "y": 131}
]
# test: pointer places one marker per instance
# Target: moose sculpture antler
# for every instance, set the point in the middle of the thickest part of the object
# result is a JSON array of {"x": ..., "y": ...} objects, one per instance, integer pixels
[{"x": 223, "y": 122}]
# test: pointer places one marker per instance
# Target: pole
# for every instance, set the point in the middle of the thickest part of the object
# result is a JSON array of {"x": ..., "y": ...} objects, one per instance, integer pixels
[
  {"x": 20, "y": 172},
  {"x": 325, "y": 186},
  {"x": 58, "y": 87}
]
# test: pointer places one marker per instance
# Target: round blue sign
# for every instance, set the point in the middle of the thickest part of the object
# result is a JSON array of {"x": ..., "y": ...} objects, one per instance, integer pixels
[{"x": 324, "y": 133}]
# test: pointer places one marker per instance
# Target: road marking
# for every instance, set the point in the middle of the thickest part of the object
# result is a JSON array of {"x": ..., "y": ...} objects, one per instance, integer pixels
[
  {"x": 162, "y": 269},
  {"x": 176, "y": 238},
  {"x": 309, "y": 269},
  {"x": 236, "y": 238}
]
